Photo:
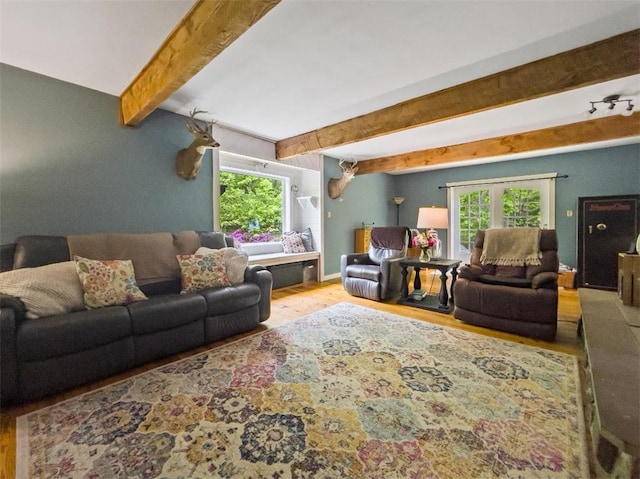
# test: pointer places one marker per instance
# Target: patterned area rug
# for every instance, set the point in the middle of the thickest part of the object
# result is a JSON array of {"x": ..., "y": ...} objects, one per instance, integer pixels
[{"x": 348, "y": 392}]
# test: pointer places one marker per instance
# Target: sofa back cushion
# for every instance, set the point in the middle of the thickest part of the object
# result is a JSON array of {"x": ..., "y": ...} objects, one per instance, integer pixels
[
  {"x": 37, "y": 250},
  {"x": 153, "y": 254},
  {"x": 215, "y": 239},
  {"x": 549, "y": 260}
]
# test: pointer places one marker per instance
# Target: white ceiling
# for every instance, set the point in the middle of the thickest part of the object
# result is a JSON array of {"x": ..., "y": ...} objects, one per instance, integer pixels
[{"x": 312, "y": 63}]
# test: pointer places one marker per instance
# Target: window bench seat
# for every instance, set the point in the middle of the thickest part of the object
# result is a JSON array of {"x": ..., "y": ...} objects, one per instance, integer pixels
[
  {"x": 271, "y": 259},
  {"x": 286, "y": 268}
]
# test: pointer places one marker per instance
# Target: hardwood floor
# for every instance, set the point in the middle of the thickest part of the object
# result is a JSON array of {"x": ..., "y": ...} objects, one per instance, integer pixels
[{"x": 291, "y": 303}]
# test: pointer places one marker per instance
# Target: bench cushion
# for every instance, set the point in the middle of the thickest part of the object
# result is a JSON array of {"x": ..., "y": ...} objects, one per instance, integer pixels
[{"x": 271, "y": 247}]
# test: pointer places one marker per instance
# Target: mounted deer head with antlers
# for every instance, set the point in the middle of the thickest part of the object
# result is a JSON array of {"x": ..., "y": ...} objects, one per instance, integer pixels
[
  {"x": 337, "y": 185},
  {"x": 189, "y": 160}
]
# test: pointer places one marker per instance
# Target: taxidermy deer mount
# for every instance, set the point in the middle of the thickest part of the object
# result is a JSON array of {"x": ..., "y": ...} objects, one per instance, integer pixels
[
  {"x": 337, "y": 185},
  {"x": 189, "y": 160}
]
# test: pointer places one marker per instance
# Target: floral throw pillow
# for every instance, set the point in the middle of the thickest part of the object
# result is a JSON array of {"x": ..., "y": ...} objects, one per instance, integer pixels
[
  {"x": 107, "y": 282},
  {"x": 292, "y": 243},
  {"x": 201, "y": 271},
  {"x": 235, "y": 261}
]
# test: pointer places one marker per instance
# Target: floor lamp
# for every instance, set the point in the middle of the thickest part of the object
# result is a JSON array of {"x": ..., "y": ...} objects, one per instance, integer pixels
[{"x": 398, "y": 200}]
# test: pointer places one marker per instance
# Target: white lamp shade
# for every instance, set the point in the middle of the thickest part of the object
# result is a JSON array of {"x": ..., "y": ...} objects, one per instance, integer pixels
[{"x": 433, "y": 217}]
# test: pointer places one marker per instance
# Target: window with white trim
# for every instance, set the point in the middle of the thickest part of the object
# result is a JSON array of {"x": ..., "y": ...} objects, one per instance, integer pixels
[
  {"x": 254, "y": 200},
  {"x": 526, "y": 201}
]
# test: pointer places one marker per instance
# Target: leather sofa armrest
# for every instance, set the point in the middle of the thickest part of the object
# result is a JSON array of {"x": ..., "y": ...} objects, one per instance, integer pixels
[
  {"x": 11, "y": 302},
  {"x": 546, "y": 279},
  {"x": 471, "y": 272},
  {"x": 11, "y": 313},
  {"x": 352, "y": 258},
  {"x": 258, "y": 274},
  {"x": 391, "y": 277}
]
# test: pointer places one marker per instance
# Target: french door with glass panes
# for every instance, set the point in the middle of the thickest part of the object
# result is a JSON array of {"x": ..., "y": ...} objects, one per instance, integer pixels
[{"x": 498, "y": 203}]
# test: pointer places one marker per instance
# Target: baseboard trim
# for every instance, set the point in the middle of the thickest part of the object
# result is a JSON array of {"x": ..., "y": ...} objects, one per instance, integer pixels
[{"x": 329, "y": 277}]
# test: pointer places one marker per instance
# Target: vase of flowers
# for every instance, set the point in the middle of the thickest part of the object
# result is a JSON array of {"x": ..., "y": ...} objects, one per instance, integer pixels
[{"x": 426, "y": 242}]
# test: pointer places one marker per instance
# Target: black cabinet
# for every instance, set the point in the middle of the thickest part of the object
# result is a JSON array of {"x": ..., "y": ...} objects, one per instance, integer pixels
[{"x": 607, "y": 225}]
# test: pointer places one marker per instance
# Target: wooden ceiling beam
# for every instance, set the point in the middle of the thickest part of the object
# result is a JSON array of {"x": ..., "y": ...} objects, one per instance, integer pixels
[
  {"x": 204, "y": 32},
  {"x": 609, "y": 59},
  {"x": 602, "y": 129}
]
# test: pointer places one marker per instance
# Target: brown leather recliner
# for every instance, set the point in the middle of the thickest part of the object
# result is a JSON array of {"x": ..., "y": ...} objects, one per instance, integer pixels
[
  {"x": 516, "y": 299},
  {"x": 376, "y": 274}
]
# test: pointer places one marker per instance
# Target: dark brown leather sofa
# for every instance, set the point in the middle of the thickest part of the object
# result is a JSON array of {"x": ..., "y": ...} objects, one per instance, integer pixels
[
  {"x": 43, "y": 356},
  {"x": 516, "y": 299}
]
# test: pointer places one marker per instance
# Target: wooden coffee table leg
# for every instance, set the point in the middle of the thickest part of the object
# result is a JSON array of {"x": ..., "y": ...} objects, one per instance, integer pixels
[
  {"x": 404, "y": 289},
  {"x": 454, "y": 275},
  {"x": 417, "y": 284},
  {"x": 443, "y": 296}
]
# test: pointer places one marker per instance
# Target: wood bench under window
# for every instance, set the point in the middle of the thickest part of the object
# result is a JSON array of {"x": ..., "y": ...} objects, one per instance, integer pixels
[{"x": 286, "y": 268}]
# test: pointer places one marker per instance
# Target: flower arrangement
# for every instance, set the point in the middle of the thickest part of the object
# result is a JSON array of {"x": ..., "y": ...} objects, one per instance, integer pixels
[
  {"x": 424, "y": 240},
  {"x": 428, "y": 244}
]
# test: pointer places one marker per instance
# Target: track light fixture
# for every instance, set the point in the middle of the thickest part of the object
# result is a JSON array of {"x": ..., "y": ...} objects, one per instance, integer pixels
[{"x": 611, "y": 100}]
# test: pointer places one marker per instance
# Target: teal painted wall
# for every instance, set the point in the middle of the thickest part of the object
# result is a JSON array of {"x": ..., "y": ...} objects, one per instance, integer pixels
[
  {"x": 367, "y": 199},
  {"x": 67, "y": 166},
  {"x": 607, "y": 171}
]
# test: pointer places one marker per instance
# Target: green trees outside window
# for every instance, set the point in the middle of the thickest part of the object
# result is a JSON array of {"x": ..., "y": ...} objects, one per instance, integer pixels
[
  {"x": 251, "y": 207},
  {"x": 520, "y": 208}
]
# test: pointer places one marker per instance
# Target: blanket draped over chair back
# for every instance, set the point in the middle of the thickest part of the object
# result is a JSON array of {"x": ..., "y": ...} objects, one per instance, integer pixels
[
  {"x": 511, "y": 247},
  {"x": 153, "y": 254},
  {"x": 388, "y": 242},
  {"x": 392, "y": 237}
]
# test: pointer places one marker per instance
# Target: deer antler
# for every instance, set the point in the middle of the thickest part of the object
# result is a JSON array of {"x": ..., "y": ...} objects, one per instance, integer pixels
[
  {"x": 350, "y": 165},
  {"x": 195, "y": 125}
]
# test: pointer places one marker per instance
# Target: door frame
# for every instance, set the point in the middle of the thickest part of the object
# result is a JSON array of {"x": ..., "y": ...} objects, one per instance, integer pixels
[{"x": 546, "y": 182}]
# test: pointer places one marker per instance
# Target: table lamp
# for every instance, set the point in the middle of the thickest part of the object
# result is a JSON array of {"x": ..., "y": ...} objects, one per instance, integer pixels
[{"x": 433, "y": 217}]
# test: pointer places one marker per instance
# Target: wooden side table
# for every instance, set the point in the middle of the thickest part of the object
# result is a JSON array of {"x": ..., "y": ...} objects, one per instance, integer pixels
[
  {"x": 362, "y": 239},
  {"x": 444, "y": 301}
]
